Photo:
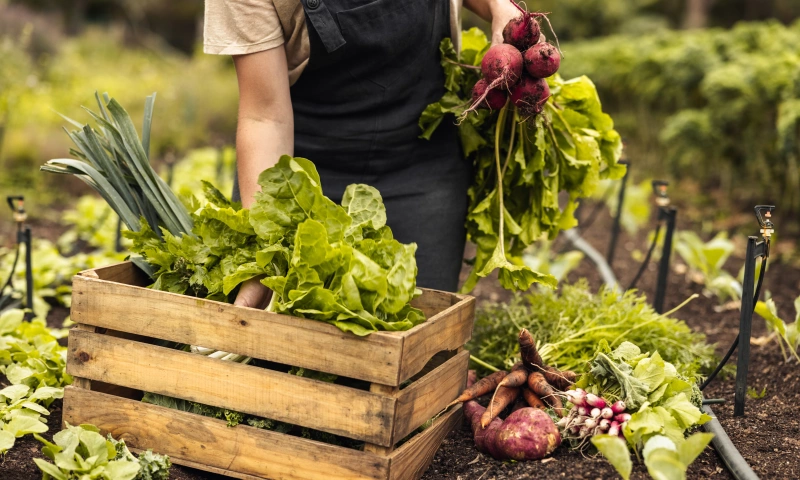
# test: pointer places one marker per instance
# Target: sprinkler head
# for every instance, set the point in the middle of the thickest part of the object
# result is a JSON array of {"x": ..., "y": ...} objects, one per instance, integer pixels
[
  {"x": 17, "y": 205},
  {"x": 660, "y": 190},
  {"x": 764, "y": 217}
]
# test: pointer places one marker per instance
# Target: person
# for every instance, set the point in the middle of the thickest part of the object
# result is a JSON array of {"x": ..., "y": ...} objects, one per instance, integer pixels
[{"x": 346, "y": 91}]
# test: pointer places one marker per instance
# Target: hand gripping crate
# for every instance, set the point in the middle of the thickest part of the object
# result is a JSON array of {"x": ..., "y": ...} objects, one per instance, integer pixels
[{"x": 401, "y": 380}]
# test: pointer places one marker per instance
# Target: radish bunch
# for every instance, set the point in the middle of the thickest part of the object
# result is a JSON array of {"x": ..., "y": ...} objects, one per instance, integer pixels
[
  {"x": 592, "y": 415},
  {"x": 517, "y": 68}
]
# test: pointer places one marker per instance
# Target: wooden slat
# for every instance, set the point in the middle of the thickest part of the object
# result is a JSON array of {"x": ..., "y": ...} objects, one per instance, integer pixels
[
  {"x": 428, "y": 396},
  {"x": 125, "y": 272},
  {"x": 431, "y": 302},
  {"x": 300, "y": 401},
  {"x": 386, "y": 391},
  {"x": 204, "y": 442},
  {"x": 411, "y": 460},
  {"x": 448, "y": 330},
  {"x": 246, "y": 331}
]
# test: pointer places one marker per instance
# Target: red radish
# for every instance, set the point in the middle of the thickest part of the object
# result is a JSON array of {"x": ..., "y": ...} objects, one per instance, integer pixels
[
  {"x": 606, "y": 413},
  {"x": 583, "y": 411},
  {"x": 618, "y": 407},
  {"x": 595, "y": 401},
  {"x": 522, "y": 32},
  {"x": 502, "y": 63},
  {"x": 613, "y": 429},
  {"x": 604, "y": 424},
  {"x": 542, "y": 60},
  {"x": 495, "y": 99},
  {"x": 623, "y": 417},
  {"x": 590, "y": 423},
  {"x": 529, "y": 96},
  {"x": 596, "y": 412}
]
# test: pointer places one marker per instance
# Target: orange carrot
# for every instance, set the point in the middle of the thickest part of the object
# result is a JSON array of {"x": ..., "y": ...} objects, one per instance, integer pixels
[
  {"x": 481, "y": 387},
  {"x": 561, "y": 379},
  {"x": 527, "y": 349},
  {"x": 538, "y": 385},
  {"x": 532, "y": 399},
  {"x": 517, "y": 377},
  {"x": 502, "y": 398}
]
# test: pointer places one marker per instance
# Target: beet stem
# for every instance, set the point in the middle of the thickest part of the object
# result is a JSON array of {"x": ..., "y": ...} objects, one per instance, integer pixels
[{"x": 498, "y": 132}]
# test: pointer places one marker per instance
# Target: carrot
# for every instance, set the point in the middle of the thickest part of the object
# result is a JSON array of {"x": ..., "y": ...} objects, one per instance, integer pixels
[
  {"x": 502, "y": 398},
  {"x": 481, "y": 387},
  {"x": 561, "y": 379},
  {"x": 538, "y": 385},
  {"x": 517, "y": 377},
  {"x": 532, "y": 399},
  {"x": 527, "y": 349}
]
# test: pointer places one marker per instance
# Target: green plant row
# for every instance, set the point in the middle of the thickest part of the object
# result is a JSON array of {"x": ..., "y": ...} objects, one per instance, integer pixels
[{"x": 721, "y": 106}]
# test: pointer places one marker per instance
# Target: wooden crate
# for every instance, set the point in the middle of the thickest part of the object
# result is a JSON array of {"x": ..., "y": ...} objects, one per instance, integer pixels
[{"x": 401, "y": 380}]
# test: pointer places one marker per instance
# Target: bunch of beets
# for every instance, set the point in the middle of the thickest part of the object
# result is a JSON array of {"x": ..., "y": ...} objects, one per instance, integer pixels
[
  {"x": 517, "y": 68},
  {"x": 528, "y": 433}
]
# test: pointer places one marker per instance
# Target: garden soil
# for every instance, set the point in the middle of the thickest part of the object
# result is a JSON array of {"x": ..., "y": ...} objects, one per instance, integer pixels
[{"x": 768, "y": 436}]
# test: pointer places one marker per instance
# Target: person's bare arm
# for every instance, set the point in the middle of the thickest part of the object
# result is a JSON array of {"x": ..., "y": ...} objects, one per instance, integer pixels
[
  {"x": 264, "y": 133},
  {"x": 499, "y": 12},
  {"x": 266, "y": 123}
]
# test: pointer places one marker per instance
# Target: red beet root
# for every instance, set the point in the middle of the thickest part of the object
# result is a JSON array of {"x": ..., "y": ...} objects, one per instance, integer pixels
[
  {"x": 495, "y": 99},
  {"x": 522, "y": 32},
  {"x": 502, "y": 66},
  {"x": 530, "y": 95},
  {"x": 542, "y": 60}
]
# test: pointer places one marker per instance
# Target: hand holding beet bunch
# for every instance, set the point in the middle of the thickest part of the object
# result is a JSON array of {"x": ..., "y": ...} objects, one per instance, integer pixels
[
  {"x": 517, "y": 68},
  {"x": 528, "y": 433}
]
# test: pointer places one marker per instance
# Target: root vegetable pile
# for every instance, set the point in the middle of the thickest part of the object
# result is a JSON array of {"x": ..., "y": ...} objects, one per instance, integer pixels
[
  {"x": 528, "y": 433},
  {"x": 592, "y": 415},
  {"x": 516, "y": 69}
]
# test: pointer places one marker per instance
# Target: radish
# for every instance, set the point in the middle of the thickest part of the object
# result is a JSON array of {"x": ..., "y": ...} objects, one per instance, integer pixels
[
  {"x": 618, "y": 407},
  {"x": 583, "y": 411},
  {"x": 623, "y": 417},
  {"x": 522, "y": 32},
  {"x": 577, "y": 397},
  {"x": 590, "y": 423},
  {"x": 596, "y": 412},
  {"x": 613, "y": 429},
  {"x": 606, "y": 413},
  {"x": 495, "y": 99},
  {"x": 529, "y": 96},
  {"x": 604, "y": 424},
  {"x": 542, "y": 60},
  {"x": 595, "y": 401}
]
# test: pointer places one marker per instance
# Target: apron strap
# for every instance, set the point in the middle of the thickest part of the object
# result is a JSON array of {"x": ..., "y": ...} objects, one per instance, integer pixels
[{"x": 323, "y": 23}]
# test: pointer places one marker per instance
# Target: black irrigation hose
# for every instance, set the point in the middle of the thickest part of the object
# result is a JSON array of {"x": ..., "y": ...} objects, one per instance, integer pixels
[
  {"x": 736, "y": 341},
  {"x": 646, "y": 259},
  {"x": 731, "y": 458}
]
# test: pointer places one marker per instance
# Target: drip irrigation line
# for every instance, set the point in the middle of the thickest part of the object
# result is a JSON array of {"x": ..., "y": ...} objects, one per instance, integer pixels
[
  {"x": 646, "y": 258},
  {"x": 603, "y": 268},
  {"x": 731, "y": 458},
  {"x": 736, "y": 340}
]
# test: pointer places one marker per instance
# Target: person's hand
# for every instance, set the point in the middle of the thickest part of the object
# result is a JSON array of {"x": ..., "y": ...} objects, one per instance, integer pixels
[
  {"x": 253, "y": 294},
  {"x": 502, "y": 12}
]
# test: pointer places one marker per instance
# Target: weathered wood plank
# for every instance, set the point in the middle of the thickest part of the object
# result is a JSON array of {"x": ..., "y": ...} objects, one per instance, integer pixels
[
  {"x": 428, "y": 396},
  {"x": 448, "y": 330},
  {"x": 411, "y": 460},
  {"x": 300, "y": 401},
  {"x": 431, "y": 302},
  {"x": 126, "y": 273},
  {"x": 204, "y": 442},
  {"x": 246, "y": 331},
  {"x": 391, "y": 392}
]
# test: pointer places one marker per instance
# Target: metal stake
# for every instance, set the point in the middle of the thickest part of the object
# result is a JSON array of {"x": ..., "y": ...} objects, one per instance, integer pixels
[
  {"x": 745, "y": 326},
  {"x": 668, "y": 214},
  {"x": 615, "y": 227}
]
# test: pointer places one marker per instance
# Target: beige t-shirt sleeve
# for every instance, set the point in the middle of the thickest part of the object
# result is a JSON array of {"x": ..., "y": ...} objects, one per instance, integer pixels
[{"x": 236, "y": 27}]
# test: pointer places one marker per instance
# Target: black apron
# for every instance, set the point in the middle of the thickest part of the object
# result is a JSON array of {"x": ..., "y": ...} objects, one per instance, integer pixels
[{"x": 374, "y": 67}]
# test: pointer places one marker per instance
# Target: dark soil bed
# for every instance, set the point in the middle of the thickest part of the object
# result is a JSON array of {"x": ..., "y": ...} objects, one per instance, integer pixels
[{"x": 768, "y": 436}]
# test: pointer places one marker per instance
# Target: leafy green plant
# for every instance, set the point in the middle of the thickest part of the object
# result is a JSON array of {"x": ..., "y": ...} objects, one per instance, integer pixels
[
  {"x": 81, "y": 453},
  {"x": 665, "y": 403},
  {"x": 706, "y": 259},
  {"x": 568, "y": 327},
  {"x": 787, "y": 335},
  {"x": 636, "y": 209},
  {"x": 540, "y": 257},
  {"x": 33, "y": 362},
  {"x": 755, "y": 394},
  {"x": 567, "y": 148}
]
